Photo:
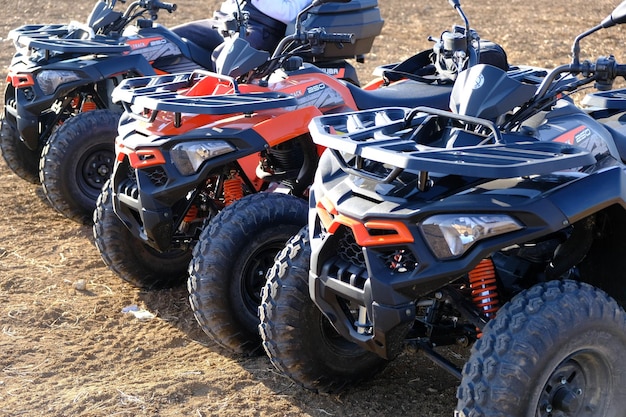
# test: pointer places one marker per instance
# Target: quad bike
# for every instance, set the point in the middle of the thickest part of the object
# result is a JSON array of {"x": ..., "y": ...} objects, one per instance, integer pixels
[
  {"x": 499, "y": 224},
  {"x": 169, "y": 178},
  {"x": 60, "y": 73},
  {"x": 48, "y": 82}
]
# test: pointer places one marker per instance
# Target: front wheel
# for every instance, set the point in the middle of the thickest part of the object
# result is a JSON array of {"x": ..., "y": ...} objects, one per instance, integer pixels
[
  {"x": 231, "y": 260},
  {"x": 555, "y": 350},
  {"x": 298, "y": 338},
  {"x": 77, "y": 160},
  {"x": 131, "y": 259}
]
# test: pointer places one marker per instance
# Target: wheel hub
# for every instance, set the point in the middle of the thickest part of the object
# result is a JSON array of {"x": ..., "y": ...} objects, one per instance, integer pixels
[
  {"x": 254, "y": 275},
  {"x": 567, "y": 399},
  {"x": 97, "y": 169},
  {"x": 564, "y": 394},
  {"x": 104, "y": 171}
]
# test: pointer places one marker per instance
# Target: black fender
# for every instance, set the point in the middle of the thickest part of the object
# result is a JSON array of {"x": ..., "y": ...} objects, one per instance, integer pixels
[
  {"x": 591, "y": 194},
  {"x": 32, "y": 101}
]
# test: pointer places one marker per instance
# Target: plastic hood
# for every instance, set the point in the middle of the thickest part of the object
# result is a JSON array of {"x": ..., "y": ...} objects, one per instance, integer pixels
[
  {"x": 235, "y": 57},
  {"x": 487, "y": 92}
]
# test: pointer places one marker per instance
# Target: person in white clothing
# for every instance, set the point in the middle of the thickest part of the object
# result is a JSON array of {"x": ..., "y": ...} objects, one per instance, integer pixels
[{"x": 266, "y": 26}]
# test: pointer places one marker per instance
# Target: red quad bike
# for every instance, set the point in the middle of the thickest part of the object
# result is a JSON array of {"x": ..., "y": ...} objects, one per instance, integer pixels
[
  {"x": 61, "y": 71},
  {"x": 179, "y": 182},
  {"x": 499, "y": 224},
  {"x": 191, "y": 143}
]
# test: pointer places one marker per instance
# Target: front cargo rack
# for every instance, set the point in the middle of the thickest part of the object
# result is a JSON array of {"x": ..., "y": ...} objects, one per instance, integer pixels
[
  {"x": 130, "y": 89},
  {"x": 144, "y": 97},
  {"x": 388, "y": 135},
  {"x": 38, "y": 31},
  {"x": 76, "y": 46}
]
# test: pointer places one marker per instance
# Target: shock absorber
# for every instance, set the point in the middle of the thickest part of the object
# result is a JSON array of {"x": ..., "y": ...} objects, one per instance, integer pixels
[
  {"x": 88, "y": 104},
  {"x": 192, "y": 213},
  {"x": 233, "y": 189},
  {"x": 482, "y": 281},
  {"x": 190, "y": 216},
  {"x": 75, "y": 102}
]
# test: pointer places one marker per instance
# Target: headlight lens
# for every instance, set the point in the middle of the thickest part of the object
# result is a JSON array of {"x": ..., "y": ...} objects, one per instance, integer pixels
[
  {"x": 451, "y": 235},
  {"x": 188, "y": 156},
  {"x": 49, "y": 80}
]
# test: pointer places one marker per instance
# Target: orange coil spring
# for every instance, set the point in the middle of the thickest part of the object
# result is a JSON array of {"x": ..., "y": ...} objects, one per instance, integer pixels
[
  {"x": 191, "y": 214},
  {"x": 484, "y": 289},
  {"x": 233, "y": 190},
  {"x": 75, "y": 102},
  {"x": 88, "y": 105}
]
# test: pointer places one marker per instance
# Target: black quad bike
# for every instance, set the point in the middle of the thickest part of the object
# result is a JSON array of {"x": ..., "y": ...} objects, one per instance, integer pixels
[
  {"x": 499, "y": 224},
  {"x": 61, "y": 71},
  {"x": 48, "y": 83}
]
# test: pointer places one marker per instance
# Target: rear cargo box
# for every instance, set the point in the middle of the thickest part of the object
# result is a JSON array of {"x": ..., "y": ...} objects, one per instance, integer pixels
[{"x": 360, "y": 17}]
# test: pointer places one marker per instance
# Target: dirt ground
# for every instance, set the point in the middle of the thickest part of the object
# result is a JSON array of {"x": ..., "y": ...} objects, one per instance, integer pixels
[{"x": 69, "y": 352}]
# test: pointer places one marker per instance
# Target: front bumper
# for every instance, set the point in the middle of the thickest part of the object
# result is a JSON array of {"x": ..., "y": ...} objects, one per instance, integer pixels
[{"x": 152, "y": 200}]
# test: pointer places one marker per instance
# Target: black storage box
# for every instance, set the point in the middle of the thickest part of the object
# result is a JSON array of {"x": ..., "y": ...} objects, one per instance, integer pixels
[{"x": 360, "y": 17}]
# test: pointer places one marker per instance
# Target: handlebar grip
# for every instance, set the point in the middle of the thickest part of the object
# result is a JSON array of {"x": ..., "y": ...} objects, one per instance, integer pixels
[
  {"x": 337, "y": 37},
  {"x": 620, "y": 70},
  {"x": 170, "y": 7}
]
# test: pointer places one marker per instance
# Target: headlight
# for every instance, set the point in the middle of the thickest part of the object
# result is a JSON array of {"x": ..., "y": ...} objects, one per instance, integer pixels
[
  {"x": 451, "y": 235},
  {"x": 188, "y": 156},
  {"x": 49, "y": 80}
]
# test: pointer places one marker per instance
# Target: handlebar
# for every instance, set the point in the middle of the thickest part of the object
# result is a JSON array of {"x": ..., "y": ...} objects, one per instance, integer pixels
[
  {"x": 604, "y": 71},
  {"x": 314, "y": 37},
  {"x": 148, "y": 5},
  {"x": 621, "y": 70},
  {"x": 317, "y": 36}
]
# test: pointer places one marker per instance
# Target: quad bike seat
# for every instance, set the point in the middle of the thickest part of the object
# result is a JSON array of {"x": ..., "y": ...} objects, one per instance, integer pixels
[{"x": 406, "y": 93}]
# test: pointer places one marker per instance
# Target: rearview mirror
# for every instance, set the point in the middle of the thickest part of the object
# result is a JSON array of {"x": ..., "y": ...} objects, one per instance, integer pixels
[{"x": 617, "y": 17}]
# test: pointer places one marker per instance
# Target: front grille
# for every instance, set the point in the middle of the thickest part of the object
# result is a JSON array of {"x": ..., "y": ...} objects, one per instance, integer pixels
[
  {"x": 400, "y": 260},
  {"x": 128, "y": 184},
  {"x": 349, "y": 265},
  {"x": 348, "y": 249},
  {"x": 129, "y": 188},
  {"x": 131, "y": 174},
  {"x": 157, "y": 175}
]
